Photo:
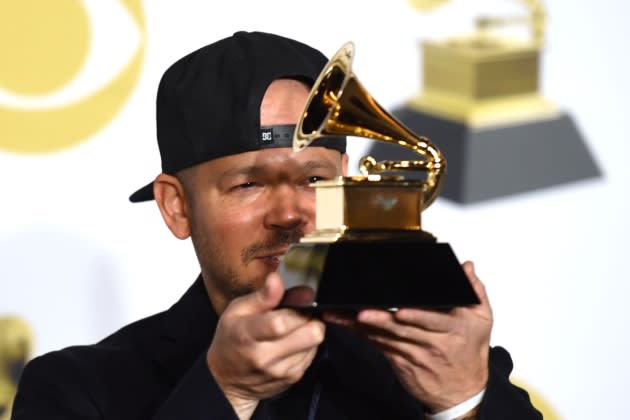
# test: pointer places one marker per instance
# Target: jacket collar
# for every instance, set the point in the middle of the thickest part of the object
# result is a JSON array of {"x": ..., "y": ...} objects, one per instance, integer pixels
[{"x": 187, "y": 330}]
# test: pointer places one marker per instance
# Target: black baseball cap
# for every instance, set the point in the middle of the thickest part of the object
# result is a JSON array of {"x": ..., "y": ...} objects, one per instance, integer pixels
[{"x": 208, "y": 102}]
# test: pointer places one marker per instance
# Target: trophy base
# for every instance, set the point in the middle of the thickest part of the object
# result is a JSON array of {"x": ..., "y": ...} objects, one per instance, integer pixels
[
  {"x": 491, "y": 162},
  {"x": 349, "y": 276}
]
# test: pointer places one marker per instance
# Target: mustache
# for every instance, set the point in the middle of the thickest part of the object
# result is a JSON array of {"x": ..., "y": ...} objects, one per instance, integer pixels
[{"x": 278, "y": 239}]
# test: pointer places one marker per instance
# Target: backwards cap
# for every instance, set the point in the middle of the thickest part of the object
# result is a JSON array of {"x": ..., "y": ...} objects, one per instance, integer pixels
[{"x": 208, "y": 102}]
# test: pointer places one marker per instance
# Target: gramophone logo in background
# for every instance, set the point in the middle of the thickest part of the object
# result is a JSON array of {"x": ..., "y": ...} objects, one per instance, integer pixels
[
  {"x": 44, "y": 46},
  {"x": 16, "y": 344},
  {"x": 481, "y": 105}
]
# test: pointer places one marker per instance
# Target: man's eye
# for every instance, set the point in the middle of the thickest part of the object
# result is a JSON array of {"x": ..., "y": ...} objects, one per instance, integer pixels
[
  {"x": 245, "y": 185},
  {"x": 315, "y": 178}
]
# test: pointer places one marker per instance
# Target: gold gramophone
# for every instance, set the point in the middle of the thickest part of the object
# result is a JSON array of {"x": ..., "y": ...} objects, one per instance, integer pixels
[
  {"x": 484, "y": 79},
  {"x": 369, "y": 249},
  {"x": 481, "y": 100}
]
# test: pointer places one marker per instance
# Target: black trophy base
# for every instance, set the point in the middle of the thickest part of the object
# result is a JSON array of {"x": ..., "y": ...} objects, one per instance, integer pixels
[
  {"x": 355, "y": 275},
  {"x": 487, "y": 163}
]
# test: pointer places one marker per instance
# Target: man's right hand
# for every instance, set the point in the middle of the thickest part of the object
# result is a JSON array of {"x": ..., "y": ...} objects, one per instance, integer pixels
[{"x": 258, "y": 352}]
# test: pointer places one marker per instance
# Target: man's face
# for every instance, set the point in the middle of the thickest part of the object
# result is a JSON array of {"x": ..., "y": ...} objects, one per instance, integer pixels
[{"x": 246, "y": 209}]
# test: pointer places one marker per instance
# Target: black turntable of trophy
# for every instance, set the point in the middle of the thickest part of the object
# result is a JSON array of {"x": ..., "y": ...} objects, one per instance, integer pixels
[
  {"x": 481, "y": 103},
  {"x": 368, "y": 248}
]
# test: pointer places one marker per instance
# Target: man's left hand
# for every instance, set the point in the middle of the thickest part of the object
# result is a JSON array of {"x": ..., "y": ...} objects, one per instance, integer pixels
[{"x": 440, "y": 357}]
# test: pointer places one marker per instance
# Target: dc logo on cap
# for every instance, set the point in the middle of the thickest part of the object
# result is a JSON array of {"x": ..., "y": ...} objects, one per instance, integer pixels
[{"x": 266, "y": 136}]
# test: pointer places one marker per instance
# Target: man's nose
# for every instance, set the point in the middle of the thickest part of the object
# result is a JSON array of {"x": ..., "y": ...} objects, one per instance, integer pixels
[{"x": 286, "y": 208}]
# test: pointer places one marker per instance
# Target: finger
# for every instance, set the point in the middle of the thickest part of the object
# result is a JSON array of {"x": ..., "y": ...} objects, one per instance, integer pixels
[
  {"x": 477, "y": 285},
  {"x": 419, "y": 355},
  {"x": 429, "y": 320},
  {"x": 345, "y": 319},
  {"x": 303, "y": 339},
  {"x": 374, "y": 317},
  {"x": 276, "y": 324},
  {"x": 292, "y": 368},
  {"x": 398, "y": 332},
  {"x": 262, "y": 300},
  {"x": 298, "y": 297}
]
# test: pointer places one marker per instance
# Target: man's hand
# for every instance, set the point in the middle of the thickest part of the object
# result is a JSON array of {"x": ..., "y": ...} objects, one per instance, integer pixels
[
  {"x": 258, "y": 352},
  {"x": 440, "y": 357}
]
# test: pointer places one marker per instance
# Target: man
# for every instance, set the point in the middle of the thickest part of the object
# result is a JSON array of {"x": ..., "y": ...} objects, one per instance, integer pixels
[{"x": 226, "y": 350}]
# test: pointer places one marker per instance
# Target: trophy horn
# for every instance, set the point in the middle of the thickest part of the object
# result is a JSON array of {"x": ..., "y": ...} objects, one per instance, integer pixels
[{"x": 339, "y": 105}]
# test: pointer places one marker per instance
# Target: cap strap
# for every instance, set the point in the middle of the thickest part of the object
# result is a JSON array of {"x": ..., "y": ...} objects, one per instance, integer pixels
[{"x": 282, "y": 136}]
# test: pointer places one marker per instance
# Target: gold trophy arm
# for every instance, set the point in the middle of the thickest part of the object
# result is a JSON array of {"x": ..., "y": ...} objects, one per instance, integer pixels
[
  {"x": 338, "y": 105},
  {"x": 426, "y": 4},
  {"x": 435, "y": 168},
  {"x": 536, "y": 21}
]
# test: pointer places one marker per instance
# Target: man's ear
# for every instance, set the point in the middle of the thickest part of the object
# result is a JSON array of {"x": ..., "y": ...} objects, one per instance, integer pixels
[
  {"x": 344, "y": 164},
  {"x": 171, "y": 199}
]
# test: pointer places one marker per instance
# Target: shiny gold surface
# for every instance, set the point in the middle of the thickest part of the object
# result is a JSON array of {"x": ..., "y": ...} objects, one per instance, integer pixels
[
  {"x": 480, "y": 70},
  {"x": 426, "y": 4},
  {"x": 368, "y": 248},
  {"x": 536, "y": 20},
  {"x": 481, "y": 84},
  {"x": 365, "y": 203},
  {"x": 339, "y": 105},
  {"x": 486, "y": 78}
]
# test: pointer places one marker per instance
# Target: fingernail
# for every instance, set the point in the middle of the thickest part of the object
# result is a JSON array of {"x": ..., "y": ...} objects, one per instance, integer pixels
[
  {"x": 365, "y": 316},
  {"x": 470, "y": 267},
  {"x": 266, "y": 287}
]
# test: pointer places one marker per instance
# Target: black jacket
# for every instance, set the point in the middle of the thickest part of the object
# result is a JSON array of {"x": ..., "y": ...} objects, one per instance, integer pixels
[{"x": 155, "y": 369}]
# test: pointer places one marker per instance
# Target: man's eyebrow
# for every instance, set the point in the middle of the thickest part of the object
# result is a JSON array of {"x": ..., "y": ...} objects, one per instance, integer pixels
[
  {"x": 256, "y": 168},
  {"x": 244, "y": 170},
  {"x": 319, "y": 164}
]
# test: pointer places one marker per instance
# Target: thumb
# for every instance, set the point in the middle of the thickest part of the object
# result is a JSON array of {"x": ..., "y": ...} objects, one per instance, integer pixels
[
  {"x": 478, "y": 286},
  {"x": 264, "y": 299}
]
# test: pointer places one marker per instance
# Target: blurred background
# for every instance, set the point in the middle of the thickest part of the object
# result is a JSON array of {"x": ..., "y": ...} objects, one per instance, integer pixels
[{"x": 77, "y": 135}]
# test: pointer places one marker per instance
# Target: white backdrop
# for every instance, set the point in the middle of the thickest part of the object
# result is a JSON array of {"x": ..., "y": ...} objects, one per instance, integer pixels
[{"x": 77, "y": 260}]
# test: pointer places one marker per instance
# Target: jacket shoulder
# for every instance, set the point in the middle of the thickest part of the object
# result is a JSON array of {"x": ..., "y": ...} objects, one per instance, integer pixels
[
  {"x": 502, "y": 398},
  {"x": 78, "y": 381}
]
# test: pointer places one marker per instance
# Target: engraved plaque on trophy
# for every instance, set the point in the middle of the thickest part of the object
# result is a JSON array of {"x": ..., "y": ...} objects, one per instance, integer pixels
[
  {"x": 481, "y": 101},
  {"x": 369, "y": 248}
]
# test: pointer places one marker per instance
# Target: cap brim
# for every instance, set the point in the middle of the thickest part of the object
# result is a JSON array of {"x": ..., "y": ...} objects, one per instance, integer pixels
[{"x": 143, "y": 194}]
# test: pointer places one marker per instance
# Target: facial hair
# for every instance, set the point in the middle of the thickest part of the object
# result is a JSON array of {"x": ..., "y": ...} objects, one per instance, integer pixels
[
  {"x": 223, "y": 273},
  {"x": 278, "y": 239}
]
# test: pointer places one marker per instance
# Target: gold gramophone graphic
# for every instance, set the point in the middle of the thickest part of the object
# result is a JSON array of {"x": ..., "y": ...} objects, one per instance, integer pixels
[
  {"x": 15, "y": 351},
  {"x": 369, "y": 249},
  {"x": 481, "y": 101},
  {"x": 485, "y": 79}
]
